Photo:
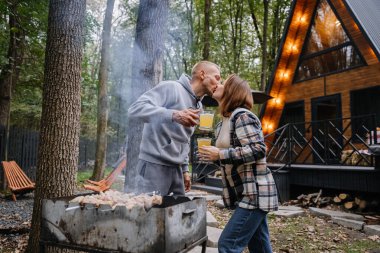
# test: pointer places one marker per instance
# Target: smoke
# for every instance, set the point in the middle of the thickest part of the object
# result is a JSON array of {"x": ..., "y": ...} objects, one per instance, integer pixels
[
  {"x": 127, "y": 79},
  {"x": 136, "y": 185},
  {"x": 125, "y": 52}
]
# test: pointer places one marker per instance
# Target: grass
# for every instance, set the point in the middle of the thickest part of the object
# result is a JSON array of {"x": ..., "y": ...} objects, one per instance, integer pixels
[
  {"x": 82, "y": 175},
  {"x": 86, "y": 174},
  {"x": 358, "y": 246}
]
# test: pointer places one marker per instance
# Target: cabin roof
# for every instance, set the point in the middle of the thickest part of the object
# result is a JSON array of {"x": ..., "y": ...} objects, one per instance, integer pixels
[{"x": 367, "y": 15}]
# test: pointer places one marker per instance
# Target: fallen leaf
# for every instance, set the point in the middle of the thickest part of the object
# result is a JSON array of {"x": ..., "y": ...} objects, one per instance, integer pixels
[{"x": 374, "y": 238}]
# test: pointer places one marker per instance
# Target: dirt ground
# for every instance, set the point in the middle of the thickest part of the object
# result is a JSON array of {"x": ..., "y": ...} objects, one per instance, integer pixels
[
  {"x": 309, "y": 234},
  {"x": 301, "y": 234},
  {"x": 15, "y": 218}
]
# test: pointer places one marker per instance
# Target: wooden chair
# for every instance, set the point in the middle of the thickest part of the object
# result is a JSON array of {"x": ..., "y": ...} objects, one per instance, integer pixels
[
  {"x": 106, "y": 183},
  {"x": 17, "y": 180}
]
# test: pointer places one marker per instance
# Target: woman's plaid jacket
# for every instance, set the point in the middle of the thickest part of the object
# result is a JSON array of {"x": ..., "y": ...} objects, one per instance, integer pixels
[{"x": 246, "y": 178}]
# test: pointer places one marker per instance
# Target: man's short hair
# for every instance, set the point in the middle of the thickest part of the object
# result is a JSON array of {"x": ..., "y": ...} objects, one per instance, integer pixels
[{"x": 201, "y": 64}]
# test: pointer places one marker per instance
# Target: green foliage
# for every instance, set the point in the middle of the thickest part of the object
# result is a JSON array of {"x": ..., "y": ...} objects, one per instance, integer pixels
[
  {"x": 4, "y": 33},
  {"x": 27, "y": 93},
  {"x": 89, "y": 93},
  {"x": 26, "y": 106},
  {"x": 234, "y": 46},
  {"x": 90, "y": 70},
  {"x": 234, "y": 43},
  {"x": 83, "y": 175}
]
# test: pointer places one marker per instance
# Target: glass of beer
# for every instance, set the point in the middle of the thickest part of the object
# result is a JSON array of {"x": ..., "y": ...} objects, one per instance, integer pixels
[
  {"x": 206, "y": 119},
  {"x": 204, "y": 141}
]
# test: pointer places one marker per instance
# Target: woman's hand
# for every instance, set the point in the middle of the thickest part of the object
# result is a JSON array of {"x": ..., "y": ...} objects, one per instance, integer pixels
[{"x": 209, "y": 153}]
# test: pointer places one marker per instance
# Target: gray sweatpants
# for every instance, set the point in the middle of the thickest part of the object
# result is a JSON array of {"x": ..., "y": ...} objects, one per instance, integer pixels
[{"x": 157, "y": 177}]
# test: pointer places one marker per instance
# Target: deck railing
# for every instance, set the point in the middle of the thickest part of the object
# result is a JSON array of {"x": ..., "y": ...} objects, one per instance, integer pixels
[{"x": 326, "y": 142}]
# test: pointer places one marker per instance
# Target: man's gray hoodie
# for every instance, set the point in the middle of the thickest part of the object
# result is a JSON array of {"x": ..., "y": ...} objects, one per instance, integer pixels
[{"x": 164, "y": 141}]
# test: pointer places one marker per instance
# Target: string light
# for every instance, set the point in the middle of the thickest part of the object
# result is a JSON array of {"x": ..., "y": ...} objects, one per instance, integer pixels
[
  {"x": 301, "y": 19},
  {"x": 294, "y": 48},
  {"x": 267, "y": 125},
  {"x": 285, "y": 74}
]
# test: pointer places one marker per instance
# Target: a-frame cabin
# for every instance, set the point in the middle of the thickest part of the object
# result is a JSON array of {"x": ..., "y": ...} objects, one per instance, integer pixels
[
  {"x": 326, "y": 89},
  {"x": 330, "y": 49}
]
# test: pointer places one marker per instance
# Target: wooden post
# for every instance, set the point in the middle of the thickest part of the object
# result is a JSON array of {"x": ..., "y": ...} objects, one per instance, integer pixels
[{"x": 375, "y": 150}]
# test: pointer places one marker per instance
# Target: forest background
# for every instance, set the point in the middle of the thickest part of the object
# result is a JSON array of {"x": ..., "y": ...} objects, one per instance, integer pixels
[{"x": 241, "y": 36}]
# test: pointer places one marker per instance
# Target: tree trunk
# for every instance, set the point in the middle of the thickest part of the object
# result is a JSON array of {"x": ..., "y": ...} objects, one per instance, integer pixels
[
  {"x": 206, "y": 31},
  {"x": 60, "y": 122},
  {"x": 254, "y": 19},
  {"x": 263, "y": 39},
  {"x": 101, "y": 138},
  {"x": 239, "y": 35},
  {"x": 146, "y": 69},
  {"x": 264, "y": 60},
  {"x": 275, "y": 34},
  {"x": 190, "y": 34}
]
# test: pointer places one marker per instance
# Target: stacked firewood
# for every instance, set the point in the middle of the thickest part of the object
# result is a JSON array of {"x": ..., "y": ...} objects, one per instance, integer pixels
[
  {"x": 372, "y": 219},
  {"x": 355, "y": 157},
  {"x": 311, "y": 200},
  {"x": 355, "y": 203},
  {"x": 348, "y": 202}
]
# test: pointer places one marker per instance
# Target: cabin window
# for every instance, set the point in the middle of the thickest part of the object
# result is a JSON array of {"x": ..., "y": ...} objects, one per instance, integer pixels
[
  {"x": 327, "y": 48},
  {"x": 365, "y": 111}
]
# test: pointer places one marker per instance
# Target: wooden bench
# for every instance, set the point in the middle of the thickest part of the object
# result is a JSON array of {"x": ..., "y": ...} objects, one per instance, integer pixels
[
  {"x": 17, "y": 181},
  {"x": 106, "y": 183}
]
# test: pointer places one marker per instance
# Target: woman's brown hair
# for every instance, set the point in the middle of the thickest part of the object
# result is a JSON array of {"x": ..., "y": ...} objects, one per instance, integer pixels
[{"x": 237, "y": 93}]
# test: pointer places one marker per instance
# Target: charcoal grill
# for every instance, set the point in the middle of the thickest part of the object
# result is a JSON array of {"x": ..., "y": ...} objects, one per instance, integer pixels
[{"x": 177, "y": 225}]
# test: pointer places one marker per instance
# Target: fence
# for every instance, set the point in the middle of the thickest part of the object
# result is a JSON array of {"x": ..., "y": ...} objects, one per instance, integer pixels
[
  {"x": 23, "y": 145},
  {"x": 22, "y": 148}
]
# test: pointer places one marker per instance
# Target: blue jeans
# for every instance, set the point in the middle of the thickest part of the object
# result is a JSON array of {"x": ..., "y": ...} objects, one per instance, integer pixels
[{"x": 246, "y": 227}]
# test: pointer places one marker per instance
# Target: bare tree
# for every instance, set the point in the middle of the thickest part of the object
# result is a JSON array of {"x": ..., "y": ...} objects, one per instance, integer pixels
[
  {"x": 264, "y": 61},
  {"x": 101, "y": 144},
  {"x": 190, "y": 40},
  {"x": 206, "y": 30},
  {"x": 146, "y": 68},
  {"x": 58, "y": 149}
]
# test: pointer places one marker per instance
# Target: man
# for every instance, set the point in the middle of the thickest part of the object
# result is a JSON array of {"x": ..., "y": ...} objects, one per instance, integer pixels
[{"x": 170, "y": 113}]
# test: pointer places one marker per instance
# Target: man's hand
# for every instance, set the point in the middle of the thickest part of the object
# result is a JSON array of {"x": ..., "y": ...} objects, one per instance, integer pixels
[
  {"x": 187, "y": 181},
  {"x": 187, "y": 117}
]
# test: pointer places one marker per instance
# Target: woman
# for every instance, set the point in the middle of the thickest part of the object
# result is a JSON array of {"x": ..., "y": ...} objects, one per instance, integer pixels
[{"x": 248, "y": 183}]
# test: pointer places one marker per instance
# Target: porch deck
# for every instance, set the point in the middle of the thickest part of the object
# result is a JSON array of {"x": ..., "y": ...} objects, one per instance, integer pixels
[
  {"x": 321, "y": 154},
  {"x": 333, "y": 177}
]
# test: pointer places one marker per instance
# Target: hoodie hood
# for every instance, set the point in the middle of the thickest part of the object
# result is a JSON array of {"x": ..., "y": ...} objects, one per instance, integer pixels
[{"x": 184, "y": 80}]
